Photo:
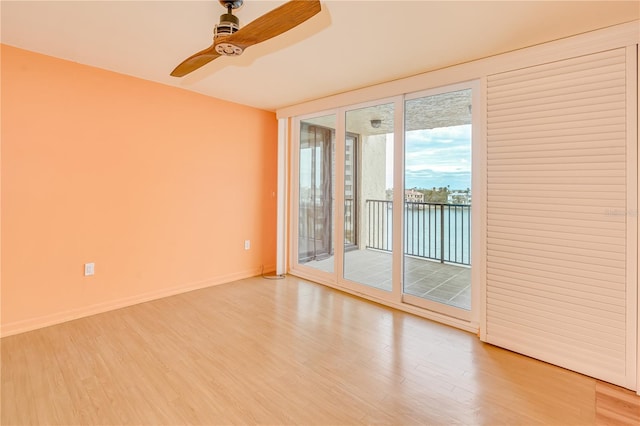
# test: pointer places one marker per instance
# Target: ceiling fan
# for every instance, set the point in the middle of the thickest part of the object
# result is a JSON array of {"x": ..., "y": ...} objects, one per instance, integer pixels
[{"x": 230, "y": 40}]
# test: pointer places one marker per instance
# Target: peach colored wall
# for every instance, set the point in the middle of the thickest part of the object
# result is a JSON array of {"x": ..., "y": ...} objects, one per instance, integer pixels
[{"x": 156, "y": 185}]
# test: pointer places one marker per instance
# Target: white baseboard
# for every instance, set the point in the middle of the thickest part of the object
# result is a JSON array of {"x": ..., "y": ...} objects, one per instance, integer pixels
[{"x": 31, "y": 324}]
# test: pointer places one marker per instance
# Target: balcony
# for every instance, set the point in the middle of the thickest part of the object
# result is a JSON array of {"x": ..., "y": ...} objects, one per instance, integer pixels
[{"x": 436, "y": 246}]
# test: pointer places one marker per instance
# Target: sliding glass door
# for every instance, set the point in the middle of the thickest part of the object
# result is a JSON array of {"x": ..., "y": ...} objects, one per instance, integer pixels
[
  {"x": 316, "y": 183},
  {"x": 437, "y": 206},
  {"x": 391, "y": 183},
  {"x": 369, "y": 131}
]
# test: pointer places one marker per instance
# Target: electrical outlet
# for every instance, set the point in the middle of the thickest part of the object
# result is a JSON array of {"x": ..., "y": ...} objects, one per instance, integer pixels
[
  {"x": 89, "y": 269},
  {"x": 247, "y": 244}
]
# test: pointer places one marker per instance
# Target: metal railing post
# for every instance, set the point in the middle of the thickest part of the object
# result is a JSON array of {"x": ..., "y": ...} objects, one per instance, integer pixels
[{"x": 441, "y": 233}]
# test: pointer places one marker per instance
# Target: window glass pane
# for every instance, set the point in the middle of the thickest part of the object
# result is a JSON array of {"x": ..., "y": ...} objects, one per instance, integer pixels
[
  {"x": 368, "y": 193},
  {"x": 316, "y": 193},
  {"x": 437, "y": 175}
]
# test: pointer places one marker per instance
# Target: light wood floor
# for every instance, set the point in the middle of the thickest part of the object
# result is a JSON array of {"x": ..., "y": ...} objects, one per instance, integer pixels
[{"x": 285, "y": 352}]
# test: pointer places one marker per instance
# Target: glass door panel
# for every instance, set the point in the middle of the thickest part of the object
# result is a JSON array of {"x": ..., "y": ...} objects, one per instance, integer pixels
[
  {"x": 368, "y": 191},
  {"x": 437, "y": 198},
  {"x": 316, "y": 193}
]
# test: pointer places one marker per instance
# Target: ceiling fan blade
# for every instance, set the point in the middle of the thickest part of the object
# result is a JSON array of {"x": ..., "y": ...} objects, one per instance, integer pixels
[
  {"x": 194, "y": 62},
  {"x": 274, "y": 23}
]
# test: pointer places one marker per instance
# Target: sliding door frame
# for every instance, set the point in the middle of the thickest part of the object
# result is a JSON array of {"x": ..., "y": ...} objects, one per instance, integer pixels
[
  {"x": 478, "y": 207},
  {"x": 294, "y": 264},
  {"x": 379, "y": 294},
  {"x": 468, "y": 320}
]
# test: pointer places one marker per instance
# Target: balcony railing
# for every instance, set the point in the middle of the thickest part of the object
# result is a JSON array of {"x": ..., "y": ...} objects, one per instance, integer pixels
[{"x": 432, "y": 230}]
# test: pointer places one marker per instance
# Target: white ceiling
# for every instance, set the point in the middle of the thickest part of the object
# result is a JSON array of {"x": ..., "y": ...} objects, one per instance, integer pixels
[{"x": 350, "y": 44}]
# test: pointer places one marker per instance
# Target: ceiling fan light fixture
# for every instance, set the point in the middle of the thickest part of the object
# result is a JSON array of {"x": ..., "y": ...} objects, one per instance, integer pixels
[{"x": 228, "y": 49}]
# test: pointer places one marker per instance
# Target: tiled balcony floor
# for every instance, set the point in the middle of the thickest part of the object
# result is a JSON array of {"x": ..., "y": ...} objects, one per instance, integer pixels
[{"x": 440, "y": 282}]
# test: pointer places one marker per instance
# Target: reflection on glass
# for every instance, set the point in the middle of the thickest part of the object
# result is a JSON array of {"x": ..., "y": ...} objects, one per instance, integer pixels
[
  {"x": 437, "y": 221},
  {"x": 316, "y": 193},
  {"x": 368, "y": 193}
]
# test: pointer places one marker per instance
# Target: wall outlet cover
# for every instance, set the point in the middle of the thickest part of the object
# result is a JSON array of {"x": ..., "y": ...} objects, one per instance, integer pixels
[{"x": 89, "y": 269}]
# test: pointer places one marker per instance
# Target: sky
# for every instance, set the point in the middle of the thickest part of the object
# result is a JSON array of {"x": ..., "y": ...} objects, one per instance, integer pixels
[{"x": 435, "y": 157}]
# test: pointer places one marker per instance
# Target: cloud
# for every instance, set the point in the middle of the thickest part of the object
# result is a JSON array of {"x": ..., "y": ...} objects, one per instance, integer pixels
[{"x": 438, "y": 155}]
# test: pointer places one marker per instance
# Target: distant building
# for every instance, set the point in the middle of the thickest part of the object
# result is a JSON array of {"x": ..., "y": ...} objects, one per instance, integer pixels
[
  {"x": 459, "y": 197},
  {"x": 413, "y": 196}
]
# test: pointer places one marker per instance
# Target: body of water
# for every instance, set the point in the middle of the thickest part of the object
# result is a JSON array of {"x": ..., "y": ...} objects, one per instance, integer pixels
[{"x": 434, "y": 231}]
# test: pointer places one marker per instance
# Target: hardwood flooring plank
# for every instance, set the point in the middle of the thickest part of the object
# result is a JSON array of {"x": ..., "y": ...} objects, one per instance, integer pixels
[
  {"x": 284, "y": 352},
  {"x": 616, "y": 406}
]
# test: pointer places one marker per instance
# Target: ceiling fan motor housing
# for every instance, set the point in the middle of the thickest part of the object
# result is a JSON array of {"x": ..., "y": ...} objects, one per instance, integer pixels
[{"x": 228, "y": 25}]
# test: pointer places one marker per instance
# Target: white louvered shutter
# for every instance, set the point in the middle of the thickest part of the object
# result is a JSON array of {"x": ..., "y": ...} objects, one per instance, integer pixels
[{"x": 556, "y": 202}]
